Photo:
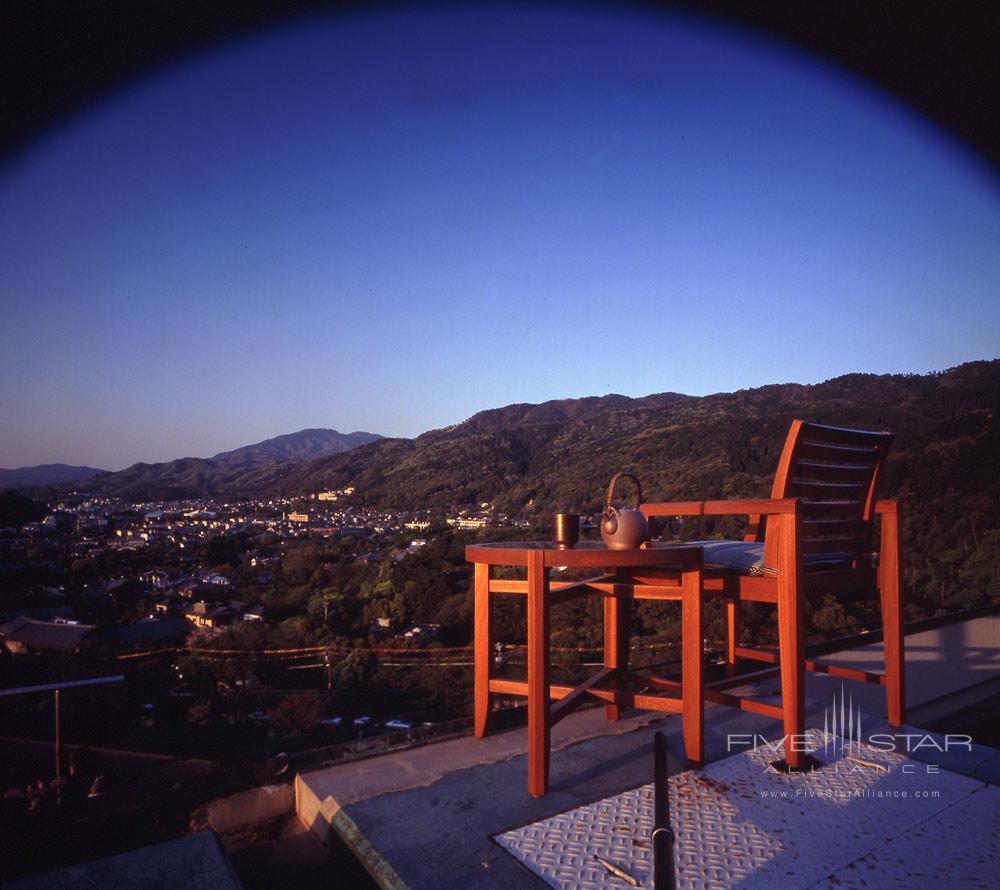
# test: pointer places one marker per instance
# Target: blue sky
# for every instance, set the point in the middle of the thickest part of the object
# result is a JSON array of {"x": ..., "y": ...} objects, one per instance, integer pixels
[{"x": 391, "y": 221}]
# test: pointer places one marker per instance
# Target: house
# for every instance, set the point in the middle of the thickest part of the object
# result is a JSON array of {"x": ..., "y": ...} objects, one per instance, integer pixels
[
  {"x": 217, "y": 579},
  {"x": 202, "y": 614},
  {"x": 195, "y": 590},
  {"x": 212, "y": 615},
  {"x": 141, "y": 631},
  {"x": 220, "y": 616},
  {"x": 468, "y": 522},
  {"x": 97, "y": 525},
  {"x": 423, "y": 632},
  {"x": 254, "y": 613},
  {"x": 157, "y": 578},
  {"x": 93, "y": 592},
  {"x": 196, "y": 612},
  {"x": 381, "y": 628},
  {"x": 167, "y": 605},
  {"x": 124, "y": 590},
  {"x": 24, "y": 635}
]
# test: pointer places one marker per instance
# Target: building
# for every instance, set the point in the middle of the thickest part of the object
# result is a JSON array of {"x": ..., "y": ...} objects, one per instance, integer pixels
[
  {"x": 157, "y": 578},
  {"x": 24, "y": 635}
]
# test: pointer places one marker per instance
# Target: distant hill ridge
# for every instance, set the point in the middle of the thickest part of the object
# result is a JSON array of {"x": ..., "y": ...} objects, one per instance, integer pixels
[
  {"x": 562, "y": 410},
  {"x": 303, "y": 445},
  {"x": 241, "y": 469},
  {"x": 45, "y": 474}
]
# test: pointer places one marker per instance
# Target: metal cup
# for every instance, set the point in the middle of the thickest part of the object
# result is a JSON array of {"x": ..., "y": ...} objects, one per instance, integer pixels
[{"x": 565, "y": 530}]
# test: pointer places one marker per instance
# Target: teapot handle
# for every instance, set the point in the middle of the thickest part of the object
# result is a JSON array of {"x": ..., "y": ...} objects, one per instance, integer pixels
[{"x": 611, "y": 490}]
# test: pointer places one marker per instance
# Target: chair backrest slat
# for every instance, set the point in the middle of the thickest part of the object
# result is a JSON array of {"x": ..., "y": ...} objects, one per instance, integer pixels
[
  {"x": 828, "y": 472},
  {"x": 835, "y": 472},
  {"x": 832, "y": 451}
]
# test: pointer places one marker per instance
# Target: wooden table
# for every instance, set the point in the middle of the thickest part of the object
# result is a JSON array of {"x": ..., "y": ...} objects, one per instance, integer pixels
[{"x": 656, "y": 572}]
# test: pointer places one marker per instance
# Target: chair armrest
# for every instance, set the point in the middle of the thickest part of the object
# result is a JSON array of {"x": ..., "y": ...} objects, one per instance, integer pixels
[{"x": 761, "y": 507}]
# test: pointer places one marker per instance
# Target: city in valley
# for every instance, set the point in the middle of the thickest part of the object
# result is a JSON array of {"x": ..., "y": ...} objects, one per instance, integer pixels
[{"x": 239, "y": 632}]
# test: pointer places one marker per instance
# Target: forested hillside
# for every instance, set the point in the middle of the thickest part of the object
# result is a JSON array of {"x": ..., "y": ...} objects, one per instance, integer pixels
[{"x": 945, "y": 462}]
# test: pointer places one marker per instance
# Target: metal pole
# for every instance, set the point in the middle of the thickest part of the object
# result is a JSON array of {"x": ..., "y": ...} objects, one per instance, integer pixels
[
  {"x": 663, "y": 834},
  {"x": 58, "y": 750},
  {"x": 55, "y": 688}
]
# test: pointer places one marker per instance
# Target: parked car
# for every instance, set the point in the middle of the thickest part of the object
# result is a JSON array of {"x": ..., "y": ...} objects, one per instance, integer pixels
[{"x": 398, "y": 724}]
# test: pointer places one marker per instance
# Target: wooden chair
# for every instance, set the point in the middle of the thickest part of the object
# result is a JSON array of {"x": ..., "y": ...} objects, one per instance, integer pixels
[{"x": 814, "y": 535}]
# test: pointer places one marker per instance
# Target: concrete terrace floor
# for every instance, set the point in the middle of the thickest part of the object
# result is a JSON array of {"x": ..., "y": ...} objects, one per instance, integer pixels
[{"x": 428, "y": 817}]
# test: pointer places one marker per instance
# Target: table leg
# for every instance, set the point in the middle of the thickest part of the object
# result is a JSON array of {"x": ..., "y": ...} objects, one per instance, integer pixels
[
  {"x": 617, "y": 616},
  {"x": 483, "y": 649},
  {"x": 539, "y": 723},
  {"x": 692, "y": 664}
]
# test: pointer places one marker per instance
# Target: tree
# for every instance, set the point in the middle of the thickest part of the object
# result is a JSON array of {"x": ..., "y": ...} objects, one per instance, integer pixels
[
  {"x": 16, "y": 510},
  {"x": 352, "y": 675},
  {"x": 300, "y": 564},
  {"x": 298, "y": 712}
]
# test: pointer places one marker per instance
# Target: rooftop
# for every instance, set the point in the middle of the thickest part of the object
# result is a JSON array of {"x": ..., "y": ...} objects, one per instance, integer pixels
[{"x": 457, "y": 813}]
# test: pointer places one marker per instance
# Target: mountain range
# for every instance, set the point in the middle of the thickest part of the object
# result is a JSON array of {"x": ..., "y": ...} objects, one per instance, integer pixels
[
  {"x": 295, "y": 447},
  {"x": 193, "y": 476},
  {"x": 561, "y": 454},
  {"x": 45, "y": 474}
]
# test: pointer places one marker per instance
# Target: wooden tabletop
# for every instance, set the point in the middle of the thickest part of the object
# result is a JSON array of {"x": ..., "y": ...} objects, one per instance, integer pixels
[{"x": 585, "y": 554}]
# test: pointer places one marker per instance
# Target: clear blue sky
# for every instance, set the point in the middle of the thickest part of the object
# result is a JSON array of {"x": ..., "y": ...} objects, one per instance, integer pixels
[{"x": 391, "y": 221}]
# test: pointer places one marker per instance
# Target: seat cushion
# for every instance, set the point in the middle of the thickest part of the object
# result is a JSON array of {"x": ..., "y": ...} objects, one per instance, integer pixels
[
  {"x": 742, "y": 557},
  {"x": 747, "y": 558}
]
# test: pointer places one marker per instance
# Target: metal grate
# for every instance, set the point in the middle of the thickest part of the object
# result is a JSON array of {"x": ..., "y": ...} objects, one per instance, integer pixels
[{"x": 741, "y": 824}]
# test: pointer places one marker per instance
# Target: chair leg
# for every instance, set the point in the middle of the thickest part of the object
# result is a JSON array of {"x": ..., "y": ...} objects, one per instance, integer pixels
[
  {"x": 483, "y": 644},
  {"x": 692, "y": 666},
  {"x": 732, "y": 634},
  {"x": 891, "y": 593},
  {"x": 790, "y": 641}
]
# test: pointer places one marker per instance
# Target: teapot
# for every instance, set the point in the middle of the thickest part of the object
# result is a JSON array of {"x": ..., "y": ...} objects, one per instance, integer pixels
[{"x": 625, "y": 528}]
